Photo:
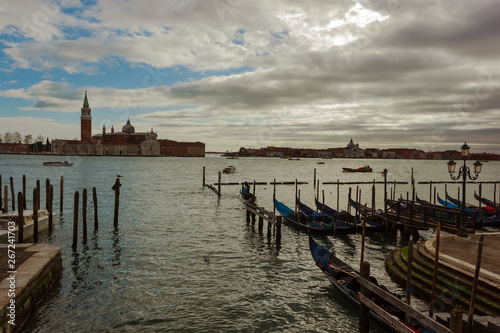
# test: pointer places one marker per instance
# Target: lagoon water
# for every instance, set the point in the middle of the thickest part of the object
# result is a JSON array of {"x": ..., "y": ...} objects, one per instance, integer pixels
[{"x": 184, "y": 260}]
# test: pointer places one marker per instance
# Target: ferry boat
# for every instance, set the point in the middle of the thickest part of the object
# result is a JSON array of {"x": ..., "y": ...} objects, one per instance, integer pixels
[
  {"x": 365, "y": 168},
  {"x": 58, "y": 163},
  {"x": 6, "y": 219}
]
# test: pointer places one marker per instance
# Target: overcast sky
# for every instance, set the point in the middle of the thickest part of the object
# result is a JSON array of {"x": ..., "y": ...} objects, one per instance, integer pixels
[{"x": 420, "y": 74}]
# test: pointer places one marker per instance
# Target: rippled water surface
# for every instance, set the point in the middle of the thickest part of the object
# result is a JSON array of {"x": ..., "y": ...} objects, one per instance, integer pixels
[{"x": 184, "y": 260}]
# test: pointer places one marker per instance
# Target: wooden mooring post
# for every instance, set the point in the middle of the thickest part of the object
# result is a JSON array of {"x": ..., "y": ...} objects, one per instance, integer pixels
[
  {"x": 20, "y": 224},
  {"x": 408, "y": 279},
  {"x": 435, "y": 272},
  {"x": 1, "y": 201},
  {"x": 36, "y": 204},
  {"x": 13, "y": 194},
  {"x": 218, "y": 185},
  {"x": 474, "y": 285},
  {"x": 116, "y": 188},
  {"x": 84, "y": 214},
  {"x": 51, "y": 202},
  {"x": 61, "y": 194},
  {"x": 24, "y": 192},
  {"x": 47, "y": 186},
  {"x": 94, "y": 197},
  {"x": 75, "y": 220},
  {"x": 364, "y": 310},
  {"x": 38, "y": 188},
  {"x": 204, "y": 176},
  {"x": 6, "y": 199}
]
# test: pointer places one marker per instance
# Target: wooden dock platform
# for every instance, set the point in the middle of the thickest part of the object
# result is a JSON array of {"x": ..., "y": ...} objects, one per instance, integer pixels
[{"x": 28, "y": 272}]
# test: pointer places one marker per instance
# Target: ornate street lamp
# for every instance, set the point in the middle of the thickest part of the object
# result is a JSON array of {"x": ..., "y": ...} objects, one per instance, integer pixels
[{"x": 464, "y": 172}]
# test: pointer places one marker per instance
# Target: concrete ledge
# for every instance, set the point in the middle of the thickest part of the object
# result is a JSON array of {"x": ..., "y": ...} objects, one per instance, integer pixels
[
  {"x": 465, "y": 267},
  {"x": 38, "y": 272}
]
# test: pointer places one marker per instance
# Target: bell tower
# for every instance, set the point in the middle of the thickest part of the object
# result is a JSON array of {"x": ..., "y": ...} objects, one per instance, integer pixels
[{"x": 86, "y": 121}]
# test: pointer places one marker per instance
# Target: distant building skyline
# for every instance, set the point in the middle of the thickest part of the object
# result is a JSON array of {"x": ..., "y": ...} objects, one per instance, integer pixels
[{"x": 128, "y": 142}]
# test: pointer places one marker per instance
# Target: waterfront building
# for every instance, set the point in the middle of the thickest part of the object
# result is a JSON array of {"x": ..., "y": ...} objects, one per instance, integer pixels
[
  {"x": 128, "y": 142},
  {"x": 174, "y": 148}
]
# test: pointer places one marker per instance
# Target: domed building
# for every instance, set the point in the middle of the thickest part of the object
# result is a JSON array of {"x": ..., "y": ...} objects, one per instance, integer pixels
[
  {"x": 353, "y": 151},
  {"x": 128, "y": 142},
  {"x": 127, "y": 128}
]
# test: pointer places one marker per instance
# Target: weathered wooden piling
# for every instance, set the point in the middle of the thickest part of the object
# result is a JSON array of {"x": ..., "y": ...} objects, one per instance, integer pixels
[
  {"x": 116, "y": 188},
  {"x": 84, "y": 214},
  {"x": 253, "y": 190},
  {"x": 61, "y": 194},
  {"x": 338, "y": 193},
  {"x": 75, "y": 219},
  {"x": 204, "y": 176},
  {"x": 363, "y": 234},
  {"x": 24, "y": 192},
  {"x": 6, "y": 199},
  {"x": 47, "y": 185},
  {"x": 218, "y": 185},
  {"x": 51, "y": 204},
  {"x": 274, "y": 196},
  {"x": 314, "y": 182},
  {"x": 20, "y": 224},
  {"x": 94, "y": 197},
  {"x": 1, "y": 200},
  {"x": 278, "y": 228},
  {"x": 364, "y": 311},
  {"x": 38, "y": 193},
  {"x": 408, "y": 280},
  {"x": 13, "y": 194},
  {"x": 456, "y": 319},
  {"x": 36, "y": 204},
  {"x": 435, "y": 271},
  {"x": 474, "y": 285}
]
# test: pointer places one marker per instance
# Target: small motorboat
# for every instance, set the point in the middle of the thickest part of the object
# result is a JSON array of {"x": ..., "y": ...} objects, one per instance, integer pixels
[
  {"x": 229, "y": 169},
  {"x": 57, "y": 163},
  {"x": 9, "y": 224}
]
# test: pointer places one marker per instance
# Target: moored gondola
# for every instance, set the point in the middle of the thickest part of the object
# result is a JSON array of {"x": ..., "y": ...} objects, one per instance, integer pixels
[
  {"x": 338, "y": 226},
  {"x": 300, "y": 220},
  {"x": 345, "y": 280}
]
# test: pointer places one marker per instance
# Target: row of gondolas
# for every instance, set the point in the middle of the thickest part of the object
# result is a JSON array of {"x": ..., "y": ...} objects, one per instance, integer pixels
[{"x": 326, "y": 220}]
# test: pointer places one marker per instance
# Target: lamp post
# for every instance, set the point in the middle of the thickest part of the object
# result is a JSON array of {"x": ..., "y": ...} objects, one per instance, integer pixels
[{"x": 464, "y": 172}]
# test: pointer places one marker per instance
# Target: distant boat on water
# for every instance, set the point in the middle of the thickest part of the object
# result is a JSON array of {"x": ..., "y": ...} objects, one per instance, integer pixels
[
  {"x": 229, "y": 169},
  {"x": 58, "y": 163},
  {"x": 365, "y": 168}
]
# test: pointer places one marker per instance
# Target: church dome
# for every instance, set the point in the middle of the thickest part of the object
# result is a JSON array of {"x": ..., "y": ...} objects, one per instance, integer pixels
[
  {"x": 351, "y": 144},
  {"x": 128, "y": 128}
]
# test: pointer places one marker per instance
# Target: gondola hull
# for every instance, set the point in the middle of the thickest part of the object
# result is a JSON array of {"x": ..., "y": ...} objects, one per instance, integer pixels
[
  {"x": 301, "y": 222},
  {"x": 344, "y": 280}
]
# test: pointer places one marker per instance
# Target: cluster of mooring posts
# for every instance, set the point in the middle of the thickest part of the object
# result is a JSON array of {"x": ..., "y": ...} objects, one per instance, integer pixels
[
  {"x": 49, "y": 200},
  {"x": 409, "y": 214}
]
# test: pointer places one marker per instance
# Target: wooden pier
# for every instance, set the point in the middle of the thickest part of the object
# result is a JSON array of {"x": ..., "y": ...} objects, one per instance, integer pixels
[{"x": 273, "y": 221}]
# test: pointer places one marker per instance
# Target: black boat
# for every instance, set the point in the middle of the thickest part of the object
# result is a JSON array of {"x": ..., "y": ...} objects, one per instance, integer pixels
[
  {"x": 345, "y": 280},
  {"x": 339, "y": 226},
  {"x": 303, "y": 222},
  {"x": 487, "y": 202}
]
